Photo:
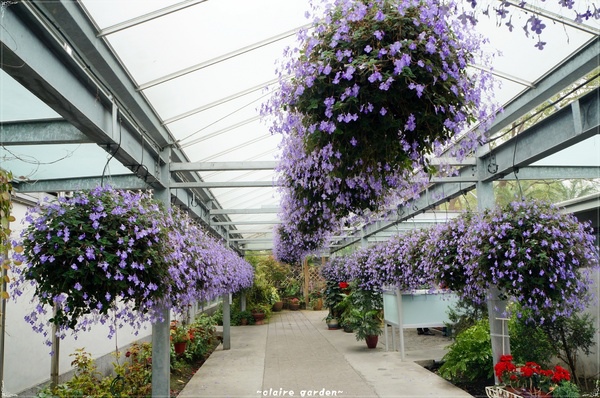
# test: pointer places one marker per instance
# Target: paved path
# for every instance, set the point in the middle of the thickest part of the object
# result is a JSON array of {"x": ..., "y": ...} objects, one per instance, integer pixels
[{"x": 295, "y": 355}]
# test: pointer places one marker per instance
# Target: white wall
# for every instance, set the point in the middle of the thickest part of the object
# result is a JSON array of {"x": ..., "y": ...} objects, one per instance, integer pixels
[{"x": 590, "y": 365}]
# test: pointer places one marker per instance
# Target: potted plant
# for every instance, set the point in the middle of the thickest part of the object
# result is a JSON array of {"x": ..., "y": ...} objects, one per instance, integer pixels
[
  {"x": 344, "y": 308},
  {"x": 316, "y": 300},
  {"x": 332, "y": 296},
  {"x": 107, "y": 255},
  {"x": 259, "y": 315},
  {"x": 332, "y": 322},
  {"x": 294, "y": 304},
  {"x": 366, "y": 325},
  {"x": 376, "y": 87},
  {"x": 364, "y": 314},
  {"x": 276, "y": 300},
  {"x": 244, "y": 318},
  {"x": 179, "y": 336}
]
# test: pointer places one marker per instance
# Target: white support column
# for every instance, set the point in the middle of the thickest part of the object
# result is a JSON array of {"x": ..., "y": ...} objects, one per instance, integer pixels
[
  {"x": 55, "y": 359},
  {"x": 496, "y": 307},
  {"x": 226, "y": 323},
  {"x": 161, "y": 344},
  {"x": 243, "y": 301}
]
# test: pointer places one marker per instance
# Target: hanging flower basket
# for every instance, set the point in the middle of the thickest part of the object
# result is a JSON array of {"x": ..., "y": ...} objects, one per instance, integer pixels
[
  {"x": 376, "y": 88},
  {"x": 84, "y": 252},
  {"x": 109, "y": 254}
]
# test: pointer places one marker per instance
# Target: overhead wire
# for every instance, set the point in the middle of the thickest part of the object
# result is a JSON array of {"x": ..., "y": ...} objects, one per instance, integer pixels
[{"x": 112, "y": 155}]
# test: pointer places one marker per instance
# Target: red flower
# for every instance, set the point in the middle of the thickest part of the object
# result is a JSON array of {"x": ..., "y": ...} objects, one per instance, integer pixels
[
  {"x": 560, "y": 374},
  {"x": 527, "y": 371},
  {"x": 531, "y": 376},
  {"x": 344, "y": 285}
]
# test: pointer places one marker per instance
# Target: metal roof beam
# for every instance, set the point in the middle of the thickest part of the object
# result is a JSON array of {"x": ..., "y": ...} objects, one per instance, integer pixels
[
  {"x": 257, "y": 222},
  {"x": 45, "y": 68},
  {"x": 250, "y": 240},
  {"x": 554, "y": 17},
  {"x": 221, "y": 101},
  {"x": 568, "y": 126},
  {"x": 266, "y": 210},
  {"x": 441, "y": 192},
  {"x": 148, "y": 17},
  {"x": 41, "y": 132},
  {"x": 574, "y": 68},
  {"x": 555, "y": 173},
  {"x": 451, "y": 161},
  {"x": 220, "y": 184},
  {"x": 223, "y": 166},
  {"x": 81, "y": 183},
  {"x": 250, "y": 231},
  {"x": 216, "y": 133}
]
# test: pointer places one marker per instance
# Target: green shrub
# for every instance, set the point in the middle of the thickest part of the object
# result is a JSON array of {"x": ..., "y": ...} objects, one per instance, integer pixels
[
  {"x": 470, "y": 356},
  {"x": 237, "y": 316},
  {"x": 204, "y": 333},
  {"x": 529, "y": 343},
  {"x": 136, "y": 373},
  {"x": 566, "y": 389}
]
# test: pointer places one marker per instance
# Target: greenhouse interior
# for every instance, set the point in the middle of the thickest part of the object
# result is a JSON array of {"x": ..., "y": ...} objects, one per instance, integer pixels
[{"x": 229, "y": 198}]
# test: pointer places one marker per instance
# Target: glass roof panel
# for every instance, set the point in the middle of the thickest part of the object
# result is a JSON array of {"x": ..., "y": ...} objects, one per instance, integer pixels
[
  {"x": 111, "y": 12},
  {"x": 214, "y": 82},
  {"x": 19, "y": 104},
  {"x": 217, "y": 117},
  {"x": 200, "y": 33},
  {"x": 47, "y": 162}
]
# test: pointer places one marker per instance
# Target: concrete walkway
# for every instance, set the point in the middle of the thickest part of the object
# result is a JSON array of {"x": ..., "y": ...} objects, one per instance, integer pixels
[{"x": 295, "y": 355}]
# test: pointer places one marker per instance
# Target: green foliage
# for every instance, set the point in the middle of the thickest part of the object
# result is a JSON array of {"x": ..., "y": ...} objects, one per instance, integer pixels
[
  {"x": 202, "y": 337},
  {"x": 344, "y": 309},
  {"x": 179, "y": 332},
  {"x": 133, "y": 377},
  {"x": 5, "y": 219},
  {"x": 362, "y": 311},
  {"x": 469, "y": 357},
  {"x": 333, "y": 295},
  {"x": 529, "y": 343},
  {"x": 237, "y": 316},
  {"x": 292, "y": 288},
  {"x": 269, "y": 280},
  {"x": 571, "y": 336},
  {"x": 86, "y": 382},
  {"x": 217, "y": 316},
  {"x": 136, "y": 373},
  {"x": 275, "y": 273},
  {"x": 566, "y": 389}
]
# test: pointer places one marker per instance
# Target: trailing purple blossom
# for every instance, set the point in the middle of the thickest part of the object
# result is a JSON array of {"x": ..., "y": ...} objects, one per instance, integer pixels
[
  {"x": 365, "y": 104},
  {"x": 538, "y": 255},
  {"x": 531, "y": 251},
  {"x": 118, "y": 258}
]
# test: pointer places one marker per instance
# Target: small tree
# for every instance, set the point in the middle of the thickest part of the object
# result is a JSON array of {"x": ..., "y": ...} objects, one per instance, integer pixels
[{"x": 571, "y": 336}]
